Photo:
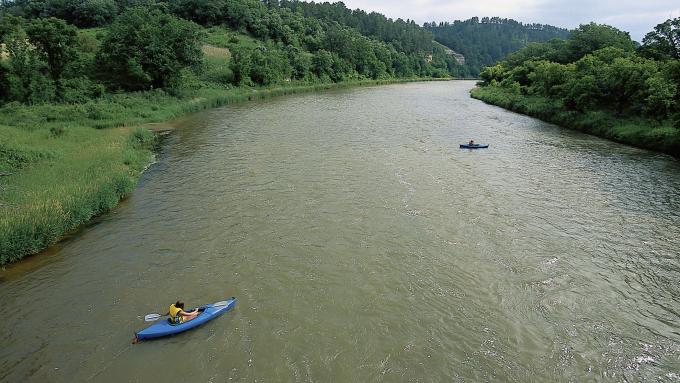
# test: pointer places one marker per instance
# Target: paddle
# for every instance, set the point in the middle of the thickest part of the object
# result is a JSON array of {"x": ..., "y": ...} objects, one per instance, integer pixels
[{"x": 155, "y": 316}]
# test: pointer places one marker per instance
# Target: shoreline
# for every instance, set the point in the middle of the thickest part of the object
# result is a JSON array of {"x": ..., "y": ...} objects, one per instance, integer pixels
[
  {"x": 659, "y": 137},
  {"x": 32, "y": 226}
]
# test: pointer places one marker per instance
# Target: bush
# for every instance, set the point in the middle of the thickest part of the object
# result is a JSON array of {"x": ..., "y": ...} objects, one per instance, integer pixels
[
  {"x": 94, "y": 13},
  {"x": 81, "y": 90},
  {"x": 146, "y": 48},
  {"x": 56, "y": 131},
  {"x": 184, "y": 84}
]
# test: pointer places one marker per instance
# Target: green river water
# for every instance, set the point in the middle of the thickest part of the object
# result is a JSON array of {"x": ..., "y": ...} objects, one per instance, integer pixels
[{"x": 364, "y": 246}]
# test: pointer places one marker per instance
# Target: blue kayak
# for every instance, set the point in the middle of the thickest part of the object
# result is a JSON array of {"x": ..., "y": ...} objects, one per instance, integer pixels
[
  {"x": 473, "y": 146},
  {"x": 164, "y": 327}
]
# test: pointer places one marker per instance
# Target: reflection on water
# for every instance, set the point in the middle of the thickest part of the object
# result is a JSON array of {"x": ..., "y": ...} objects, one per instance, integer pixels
[{"x": 363, "y": 245}]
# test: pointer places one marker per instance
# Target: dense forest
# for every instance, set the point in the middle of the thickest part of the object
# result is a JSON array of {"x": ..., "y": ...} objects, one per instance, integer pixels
[
  {"x": 71, "y": 70},
  {"x": 489, "y": 39},
  {"x": 404, "y": 35},
  {"x": 598, "y": 80},
  {"x": 148, "y": 44}
]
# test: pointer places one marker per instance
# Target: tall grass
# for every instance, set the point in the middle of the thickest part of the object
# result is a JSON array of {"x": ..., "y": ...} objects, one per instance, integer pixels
[
  {"x": 68, "y": 163},
  {"x": 644, "y": 133},
  {"x": 86, "y": 173}
]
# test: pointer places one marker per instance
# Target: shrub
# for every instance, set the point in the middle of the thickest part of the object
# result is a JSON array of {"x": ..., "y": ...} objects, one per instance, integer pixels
[
  {"x": 56, "y": 131},
  {"x": 146, "y": 48},
  {"x": 81, "y": 90}
]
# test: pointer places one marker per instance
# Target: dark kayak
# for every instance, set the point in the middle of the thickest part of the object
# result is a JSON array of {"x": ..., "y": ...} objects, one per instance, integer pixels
[
  {"x": 164, "y": 328},
  {"x": 473, "y": 146}
]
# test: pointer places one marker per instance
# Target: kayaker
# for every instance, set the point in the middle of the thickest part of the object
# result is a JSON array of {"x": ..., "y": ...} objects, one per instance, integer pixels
[
  {"x": 471, "y": 143},
  {"x": 178, "y": 315}
]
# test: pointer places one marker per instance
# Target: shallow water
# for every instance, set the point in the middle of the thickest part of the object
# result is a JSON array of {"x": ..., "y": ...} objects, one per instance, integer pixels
[{"x": 363, "y": 245}]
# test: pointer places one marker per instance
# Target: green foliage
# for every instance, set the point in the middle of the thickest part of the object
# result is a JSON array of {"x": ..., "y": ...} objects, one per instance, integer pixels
[
  {"x": 94, "y": 13},
  {"x": 146, "y": 47},
  {"x": 548, "y": 78},
  {"x": 56, "y": 114},
  {"x": 26, "y": 73},
  {"x": 16, "y": 157},
  {"x": 484, "y": 42},
  {"x": 217, "y": 71},
  {"x": 591, "y": 37},
  {"x": 263, "y": 65},
  {"x": 86, "y": 174},
  {"x": 607, "y": 74},
  {"x": 142, "y": 138},
  {"x": 367, "y": 45},
  {"x": 660, "y": 96},
  {"x": 79, "y": 90},
  {"x": 663, "y": 42},
  {"x": 406, "y": 36},
  {"x": 82, "y": 13},
  {"x": 4, "y": 82},
  {"x": 55, "y": 39},
  {"x": 595, "y": 82},
  {"x": 645, "y": 133},
  {"x": 64, "y": 171}
]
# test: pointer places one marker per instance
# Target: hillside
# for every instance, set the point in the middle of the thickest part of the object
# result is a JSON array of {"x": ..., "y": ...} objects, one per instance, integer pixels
[
  {"x": 487, "y": 40},
  {"x": 76, "y": 76}
]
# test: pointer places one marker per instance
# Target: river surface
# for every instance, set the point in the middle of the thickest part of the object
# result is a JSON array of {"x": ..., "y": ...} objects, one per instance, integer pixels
[{"x": 364, "y": 246}]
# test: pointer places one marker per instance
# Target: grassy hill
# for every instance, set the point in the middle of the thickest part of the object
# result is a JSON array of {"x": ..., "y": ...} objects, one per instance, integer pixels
[{"x": 64, "y": 161}]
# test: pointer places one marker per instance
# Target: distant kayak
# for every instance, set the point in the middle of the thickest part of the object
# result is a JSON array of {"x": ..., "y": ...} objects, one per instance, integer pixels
[
  {"x": 164, "y": 328},
  {"x": 473, "y": 146}
]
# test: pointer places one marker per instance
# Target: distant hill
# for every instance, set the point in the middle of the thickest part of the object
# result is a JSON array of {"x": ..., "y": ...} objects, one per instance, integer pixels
[{"x": 487, "y": 40}]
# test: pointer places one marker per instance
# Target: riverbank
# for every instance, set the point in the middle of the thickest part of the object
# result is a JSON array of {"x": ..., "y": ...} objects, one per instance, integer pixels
[
  {"x": 315, "y": 205},
  {"x": 61, "y": 165},
  {"x": 640, "y": 132}
]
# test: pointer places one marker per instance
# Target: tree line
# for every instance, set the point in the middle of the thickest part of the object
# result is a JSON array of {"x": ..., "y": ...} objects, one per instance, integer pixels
[
  {"x": 405, "y": 35},
  {"x": 148, "y": 44},
  {"x": 485, "y": 41},
  {"x": 599, "y": 68}
]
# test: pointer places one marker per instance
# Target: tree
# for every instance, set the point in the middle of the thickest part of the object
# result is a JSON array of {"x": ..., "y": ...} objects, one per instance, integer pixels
[
  {"x": 664, "y": 41},
  {"x": 147, "y": 48},
  {"x": 270, "y": 65},
  {"x": 26, "y": 72},
  {"x": 56, "y": 40},
  {"x": 549, "y": 77},
  {"x": 241, "y": 65},
  {"x": 204, "y": 12},
  {"x": 581, "y": 93},
  {"x": 486, "y": 42},
  {"x": 94, "y": 13},
  {"x": 323, "y": 64},
  {"x": 660, "y": 96},
  {"x": 300, "y": 61},
  {"x": 9, "y": 24},
  {"x": 588, "y": 38},
  {"x": 4, "y": 82}
]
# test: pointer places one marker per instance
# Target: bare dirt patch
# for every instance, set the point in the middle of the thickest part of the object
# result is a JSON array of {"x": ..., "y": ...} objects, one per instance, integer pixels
[{"x": 214, "y": 51}]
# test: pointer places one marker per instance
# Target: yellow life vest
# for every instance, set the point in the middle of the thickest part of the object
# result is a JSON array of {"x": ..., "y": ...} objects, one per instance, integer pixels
[{"x": 174, "y": 314}]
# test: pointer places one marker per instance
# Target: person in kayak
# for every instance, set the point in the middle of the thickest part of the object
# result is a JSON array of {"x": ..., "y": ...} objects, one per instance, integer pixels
[
  {"x": 178, "y": 315},
  {"x": 471, "y": 143}
]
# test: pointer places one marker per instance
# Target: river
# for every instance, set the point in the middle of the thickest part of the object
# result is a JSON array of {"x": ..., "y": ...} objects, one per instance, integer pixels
[{"x": 364, "y": 246}]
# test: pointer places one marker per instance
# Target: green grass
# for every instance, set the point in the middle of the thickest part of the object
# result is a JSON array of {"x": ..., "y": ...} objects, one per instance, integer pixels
[
  {"x": 634, "y": 131},
  {"x": 62, "y": 164},
  {"x": 70, "y": 162},
  {"x": 63, "y": 180},
  {"x": 226, "y": 38}
]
